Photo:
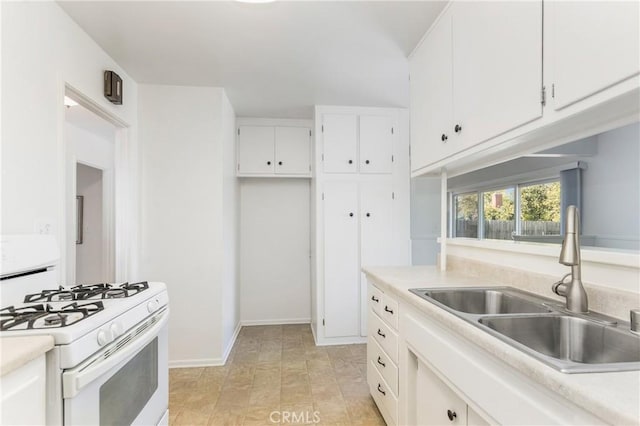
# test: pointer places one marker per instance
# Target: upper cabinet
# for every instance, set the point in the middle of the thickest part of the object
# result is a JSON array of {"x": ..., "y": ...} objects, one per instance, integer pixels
[
  {"x": 274, "y": 151},
  {"x": 592, "y": 46},
  {"x": 477, "y": 74},
  {"x": 357, "y": 143}
]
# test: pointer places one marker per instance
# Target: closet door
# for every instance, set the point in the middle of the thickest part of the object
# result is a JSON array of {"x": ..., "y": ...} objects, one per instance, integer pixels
[{"x": 341, "y": 263}]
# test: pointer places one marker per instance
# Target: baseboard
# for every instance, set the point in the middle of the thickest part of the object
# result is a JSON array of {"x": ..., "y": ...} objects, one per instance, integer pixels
[
  {"x": 276, "y": 321},
  {"x": 191, "y": 363},
  {"x": 332, "y": 341},
  {"x": 232, "y": 342}
]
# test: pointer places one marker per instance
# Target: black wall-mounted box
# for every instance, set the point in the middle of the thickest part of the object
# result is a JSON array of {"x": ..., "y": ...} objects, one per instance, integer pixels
[{"x": 113, "y": 87}]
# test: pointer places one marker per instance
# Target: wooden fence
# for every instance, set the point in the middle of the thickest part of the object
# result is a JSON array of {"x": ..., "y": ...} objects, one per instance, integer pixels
[{"x": 503, "y": 229}]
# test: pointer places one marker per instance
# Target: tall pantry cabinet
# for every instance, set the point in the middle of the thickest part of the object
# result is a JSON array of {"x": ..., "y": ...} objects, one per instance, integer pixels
[{"x": 360, "y": 212}]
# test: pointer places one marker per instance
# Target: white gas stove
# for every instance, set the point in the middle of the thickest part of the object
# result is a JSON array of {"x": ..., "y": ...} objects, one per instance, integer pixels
[{"x": 110, "y": 338}]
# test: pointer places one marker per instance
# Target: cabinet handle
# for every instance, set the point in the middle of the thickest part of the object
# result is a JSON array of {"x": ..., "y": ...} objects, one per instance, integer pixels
[
  {"x": 381, "y": 363},
  {"x": 350, "y": 161},
  {"x": 386, "y": 308},
  {"x": 458, "y": 128},
  {"x": 380, "y": 390},
  {"x": 368, "y": 215},
  {"x": 375, "y": 299},
  {"x": 279, "y": 163},
  {"x": 380, "y": 333},
  {"x": 366, "y": 162},
  {"x": 451, "y": 414},
  {"x": 268, "y": 163},
  {"x": 444, "y": 137},
  {"x": 350, "y": 214}
]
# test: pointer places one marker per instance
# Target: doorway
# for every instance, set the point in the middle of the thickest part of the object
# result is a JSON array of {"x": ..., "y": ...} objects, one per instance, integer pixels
[{"x": 90, "y": 243}]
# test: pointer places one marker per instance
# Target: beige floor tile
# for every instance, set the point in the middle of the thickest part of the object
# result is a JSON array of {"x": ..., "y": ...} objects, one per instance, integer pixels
[
  {"x": 193, "y": 417},
  {"x": 361, "y": 408},
  {"x": 332, "y": 412}
]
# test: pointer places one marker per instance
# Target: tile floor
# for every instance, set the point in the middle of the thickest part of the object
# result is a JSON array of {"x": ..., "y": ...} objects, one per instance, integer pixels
[{"x": 276, "y": 375}]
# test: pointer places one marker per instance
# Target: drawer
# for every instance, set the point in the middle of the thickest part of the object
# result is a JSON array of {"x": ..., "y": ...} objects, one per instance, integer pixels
[
  {"x": 382, "y": 395},
  {"x": 375, "y": 299},
  {"x": 384, "y": 336},
  {"x": 383, "y": 364},
  {"x": 389, "y": 311}
]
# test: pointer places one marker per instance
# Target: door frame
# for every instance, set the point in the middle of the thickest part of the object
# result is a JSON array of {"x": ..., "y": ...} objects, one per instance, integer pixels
[{"x": 118, "y": 192}]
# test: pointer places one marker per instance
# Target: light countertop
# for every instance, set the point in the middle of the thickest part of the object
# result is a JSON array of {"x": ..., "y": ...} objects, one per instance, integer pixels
[
  {"x": 17, "y": 351},
  {"x": 613, "y": 397}
]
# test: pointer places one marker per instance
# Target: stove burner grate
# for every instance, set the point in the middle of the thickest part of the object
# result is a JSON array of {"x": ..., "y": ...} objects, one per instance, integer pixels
[
  {"x": 88, "y": 292},
  {"x": 28, "y": 316}
]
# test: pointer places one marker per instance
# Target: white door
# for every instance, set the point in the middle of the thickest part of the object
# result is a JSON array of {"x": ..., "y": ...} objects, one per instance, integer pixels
[
  {"x": 341, "y": 262},
  {"x": 376, "y": 143},
  {"x": 592, "y": 45},
  {"x": 436, "y": 403},
  {"x": 431, "y": 102},
  {"x": 497, "y": 68},
  {"x": 339, "y": 143},
  {"x": 255, "y": 149},
  {"x": 293, "y": 150},
  {"x": 376, "y": 233}
]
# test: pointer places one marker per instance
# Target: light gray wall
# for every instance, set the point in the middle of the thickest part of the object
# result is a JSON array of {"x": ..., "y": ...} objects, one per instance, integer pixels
[{"x": 425, "y": 220}]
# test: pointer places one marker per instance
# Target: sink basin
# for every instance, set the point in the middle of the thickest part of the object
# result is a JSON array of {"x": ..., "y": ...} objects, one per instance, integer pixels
[
  {"x": 483, "y": 301},
  {"x": 571, "y": 339}
]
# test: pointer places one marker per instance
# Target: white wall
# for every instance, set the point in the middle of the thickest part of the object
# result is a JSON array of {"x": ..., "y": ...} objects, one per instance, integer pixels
[
  {"x": 42, "y": 50},
  {"x": 611, "y": 188},
  {"x": 184, "y": 134},
  {"x": 274, "y": 251},
  {"x": 89, "y": 257}
]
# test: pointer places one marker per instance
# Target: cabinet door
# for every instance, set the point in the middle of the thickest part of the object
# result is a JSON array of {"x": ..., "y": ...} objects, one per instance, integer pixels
[
  {"x": 256, "y": 149},
  {"x": 430, "y": 96},
  {"x": 376, "y": 143},
  {"x": 340, "y": 140},
  {"x": 292, "y": 150},
  {"x": 497, "y": 68},
  {"x": 436, "y": 403},
  {"x": 341, "y": 263},
  {"x": 376, "y": 233},
  {"x": 593, "y": 46}
]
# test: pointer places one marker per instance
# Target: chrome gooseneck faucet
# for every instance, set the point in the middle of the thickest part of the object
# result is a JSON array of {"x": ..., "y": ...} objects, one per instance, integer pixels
[{"x": 573, "y": 290}]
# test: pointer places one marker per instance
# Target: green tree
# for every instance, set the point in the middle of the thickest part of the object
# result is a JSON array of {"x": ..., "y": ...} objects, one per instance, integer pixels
[
  {"x": 505, "y": 211},
  {"x": 541, "y": 202}
]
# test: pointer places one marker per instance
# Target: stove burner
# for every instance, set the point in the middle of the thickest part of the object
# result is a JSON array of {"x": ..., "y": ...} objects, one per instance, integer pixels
[
  {"x": 29, "y": 317},
  {"x": 88, "y": 292}
]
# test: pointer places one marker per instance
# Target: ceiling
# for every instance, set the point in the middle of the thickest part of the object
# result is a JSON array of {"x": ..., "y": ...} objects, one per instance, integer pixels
[{"x": 274, "y": 60}]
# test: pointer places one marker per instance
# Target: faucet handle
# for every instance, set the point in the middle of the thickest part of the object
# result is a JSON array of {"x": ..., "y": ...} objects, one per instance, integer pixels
[
  {"x": 556, "y": 287},
  {"x": 635, "y": 320}
]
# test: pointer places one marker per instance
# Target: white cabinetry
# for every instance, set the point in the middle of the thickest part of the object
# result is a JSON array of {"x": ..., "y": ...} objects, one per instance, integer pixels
[
  {"x": 477, "y": 74},
  {"x": 592, "y": 46},
  {"x": 360, "y": 213},
  {"x": 353, "y": 143},
  {"x": 274, "y": 151},
  {"x": 23, "y": 395},
  {"x": 382, "y": 353}
]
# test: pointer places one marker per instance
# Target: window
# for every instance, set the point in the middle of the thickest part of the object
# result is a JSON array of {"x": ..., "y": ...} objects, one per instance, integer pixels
[{"x": 528, "y": 210}]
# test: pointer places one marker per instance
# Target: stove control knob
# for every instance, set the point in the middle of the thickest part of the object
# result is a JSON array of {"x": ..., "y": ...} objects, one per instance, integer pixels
[
  {"x": 116, "y": 329},
  {"x": 104, "y": 337},
  {"x": 153, "y": 305}
]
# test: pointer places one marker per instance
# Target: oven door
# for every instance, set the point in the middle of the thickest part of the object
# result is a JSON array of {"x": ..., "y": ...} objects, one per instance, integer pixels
[{"x": 125, "y": 383}]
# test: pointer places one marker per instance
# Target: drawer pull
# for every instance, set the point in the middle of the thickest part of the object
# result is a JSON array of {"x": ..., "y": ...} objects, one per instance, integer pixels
[
  {"x": 386, "y": 308},
  {"x": 381, "y": 363},
  {"x": 451, "y": 414},
  {"x": 380, "y": 333},
  {"x": 381, "y": 391},
  {"x": 375, "y": 299}
]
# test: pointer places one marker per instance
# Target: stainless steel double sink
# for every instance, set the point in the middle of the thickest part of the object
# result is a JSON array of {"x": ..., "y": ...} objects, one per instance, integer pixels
[{"x": 543, "y": 328}]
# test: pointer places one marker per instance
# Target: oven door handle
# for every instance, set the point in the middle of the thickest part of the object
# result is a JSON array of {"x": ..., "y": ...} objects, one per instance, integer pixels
[{"x": 74, "y": 380}]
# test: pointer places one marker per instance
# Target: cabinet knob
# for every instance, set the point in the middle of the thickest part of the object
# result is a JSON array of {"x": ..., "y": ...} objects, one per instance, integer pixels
[
  {"x": 444, "y": 137},
  {"x": 279, "y": 163},
  {"x": 458, "y": 128},
  {"x": 350, "y": 161},
  {"x": 268, "y": 163},
  {"x": 451, "y": 414},
  {"x": 368, "y": 215},
  {"x": 381, "y": 363},
  {"x": 386, "y": 308},
  {"x": 380, "y": 389},
  {"x": 350, "y": 214},
  {"x": 375, "y": 299},
  {"x": 366, "y": 162},
  {"x": 380, "y": 333}
]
